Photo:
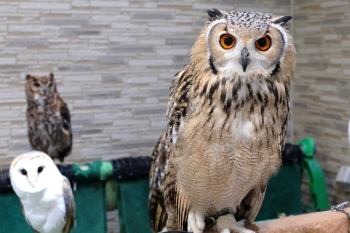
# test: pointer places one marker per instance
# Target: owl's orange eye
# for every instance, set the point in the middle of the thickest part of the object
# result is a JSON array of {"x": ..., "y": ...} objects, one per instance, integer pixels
[
  {"x": 227, "y": 41},
  {"x": 264, "y": 43}
]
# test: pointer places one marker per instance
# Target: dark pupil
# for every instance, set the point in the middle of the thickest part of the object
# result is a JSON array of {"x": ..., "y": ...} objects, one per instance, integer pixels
[
  {"x": 40, "y": 169},
  {"x": 228, "y": 40},
  {"x": 24, "y": 172},
  {"x": 37, "y": 84},
  {"x": 262, "y": 42}
]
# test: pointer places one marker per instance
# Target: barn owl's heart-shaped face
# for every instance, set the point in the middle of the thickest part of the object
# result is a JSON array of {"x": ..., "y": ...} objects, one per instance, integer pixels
[
  {"x": 32, "y": 172},
  {"x": 43, "y": 191}
]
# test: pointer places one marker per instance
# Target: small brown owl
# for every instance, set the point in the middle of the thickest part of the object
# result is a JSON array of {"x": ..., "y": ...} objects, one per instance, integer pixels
[{"x": 48, "y": 118}]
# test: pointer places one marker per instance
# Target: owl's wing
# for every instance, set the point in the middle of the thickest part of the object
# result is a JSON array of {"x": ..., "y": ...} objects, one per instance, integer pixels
[
  {"x": 285, "y": 118},
  {"x": 156, "y": 205},
  {"x": 67, "y": 140},
  {"x": 251, "y": 203},
  {"x": 178, "y": 103},
  {"x": 70, "y": 206},
  {"x": 64, "y": 112},
  {"x": 177, "y": 109}
]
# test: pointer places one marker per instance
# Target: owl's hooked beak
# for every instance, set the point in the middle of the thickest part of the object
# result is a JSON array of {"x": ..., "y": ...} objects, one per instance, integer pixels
[
  {"x": 244, "y": 58},
  {"x": 32, "y": 181}
]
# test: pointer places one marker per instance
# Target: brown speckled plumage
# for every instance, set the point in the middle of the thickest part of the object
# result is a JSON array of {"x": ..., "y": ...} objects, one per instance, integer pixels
[
  {"x": 48, "y": 118},
  {"x": 226, "y": 126}
]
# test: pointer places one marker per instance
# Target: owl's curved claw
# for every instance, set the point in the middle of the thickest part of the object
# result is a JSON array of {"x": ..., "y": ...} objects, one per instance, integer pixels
[{"x": 227, "y": 223}]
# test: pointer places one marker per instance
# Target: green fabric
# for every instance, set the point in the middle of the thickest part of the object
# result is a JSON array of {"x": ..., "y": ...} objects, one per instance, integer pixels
[
  {"x": 283, "y": 195},
  {"x": 106, "y": 170},
  {"x": 90, "y": 210},
  {"x": 88, "y": 171},
  {"x": 132, "y": 201}
]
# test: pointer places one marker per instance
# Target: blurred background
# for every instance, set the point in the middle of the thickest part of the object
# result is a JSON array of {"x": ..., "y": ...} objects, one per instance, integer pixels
[{"x": 114, "y": 61}]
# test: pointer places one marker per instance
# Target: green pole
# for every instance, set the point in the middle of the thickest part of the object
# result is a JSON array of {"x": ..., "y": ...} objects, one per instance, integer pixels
[{"x": 315, "y": 175}]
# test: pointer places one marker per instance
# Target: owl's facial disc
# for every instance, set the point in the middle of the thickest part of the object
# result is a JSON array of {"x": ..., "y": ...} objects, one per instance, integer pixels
[
  {"x": 244, "y": 43},
  {"x": 243, "y": 54},
  {"x": 32, "y": 175},
  {"x": 45, "y": 90},
  {"x": 41, "y": 86}
]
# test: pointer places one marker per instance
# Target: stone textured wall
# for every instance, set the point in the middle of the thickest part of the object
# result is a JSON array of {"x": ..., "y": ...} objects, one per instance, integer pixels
[
  {"x": 113, "y": 62},
  {"x": 322, "y": 81}
]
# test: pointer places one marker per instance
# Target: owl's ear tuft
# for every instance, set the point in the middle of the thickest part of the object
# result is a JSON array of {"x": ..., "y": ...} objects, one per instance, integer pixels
[
  {"x": 28, "y": 76},
  {"x": 214, "y": 14},
  {"x": 51, "y": 75},
  {"x": 281, "y": 20}
]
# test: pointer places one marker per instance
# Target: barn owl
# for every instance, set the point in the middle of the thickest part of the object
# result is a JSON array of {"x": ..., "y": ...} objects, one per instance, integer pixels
[
  {"x": 226, "y": 125},
  {"x": 46, "y": 196},
  {"x": 48, "y": 118}
]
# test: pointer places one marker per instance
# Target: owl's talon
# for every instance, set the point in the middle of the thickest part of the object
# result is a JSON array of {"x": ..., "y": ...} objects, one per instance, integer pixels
[
  {"x": 195, "y": 222},
  {"x": 228, "y": 224}
]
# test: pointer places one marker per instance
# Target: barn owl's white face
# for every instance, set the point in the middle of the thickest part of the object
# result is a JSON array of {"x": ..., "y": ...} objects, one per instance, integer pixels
[{"x": 32, "y": 172}]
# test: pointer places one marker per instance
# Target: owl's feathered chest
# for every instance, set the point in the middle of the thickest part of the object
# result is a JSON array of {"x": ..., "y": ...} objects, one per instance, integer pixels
[
  {"x": 44, "y": 122},
  {"x": 235, "y": 109},
  {"x": 45, "y": 210},
  {"x": 232, "y": 128},
  {"x": 43, "y": 110}
]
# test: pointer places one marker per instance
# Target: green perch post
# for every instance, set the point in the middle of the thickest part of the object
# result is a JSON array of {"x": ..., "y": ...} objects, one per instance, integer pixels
[{"x": 315, "y": 175}]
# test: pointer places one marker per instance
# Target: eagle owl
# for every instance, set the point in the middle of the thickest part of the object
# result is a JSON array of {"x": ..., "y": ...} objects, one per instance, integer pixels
[
  {"x": 226, "y": 124},
  {"x": 48, "y": 118},
  {"x": 46, "y": 196}
]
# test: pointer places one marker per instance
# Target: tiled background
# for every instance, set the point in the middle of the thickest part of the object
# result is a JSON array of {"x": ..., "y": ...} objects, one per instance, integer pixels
[
  {"x": 114, "y": 61},
  {"x": 322, "y": 82}
]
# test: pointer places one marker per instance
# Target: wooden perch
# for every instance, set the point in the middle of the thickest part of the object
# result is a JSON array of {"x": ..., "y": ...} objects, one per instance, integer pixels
[{"x": 319, "y": 222}]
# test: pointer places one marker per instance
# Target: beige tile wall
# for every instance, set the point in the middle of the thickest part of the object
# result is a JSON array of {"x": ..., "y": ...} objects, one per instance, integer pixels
[{"x": 322, "y": 82}]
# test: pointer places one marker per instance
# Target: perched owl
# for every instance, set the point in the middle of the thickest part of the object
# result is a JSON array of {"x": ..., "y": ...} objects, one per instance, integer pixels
[
  {"x": 46, "y": 196},
  {"x": 48, "y": 118},
  {"x": 226, "y": 124}
]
